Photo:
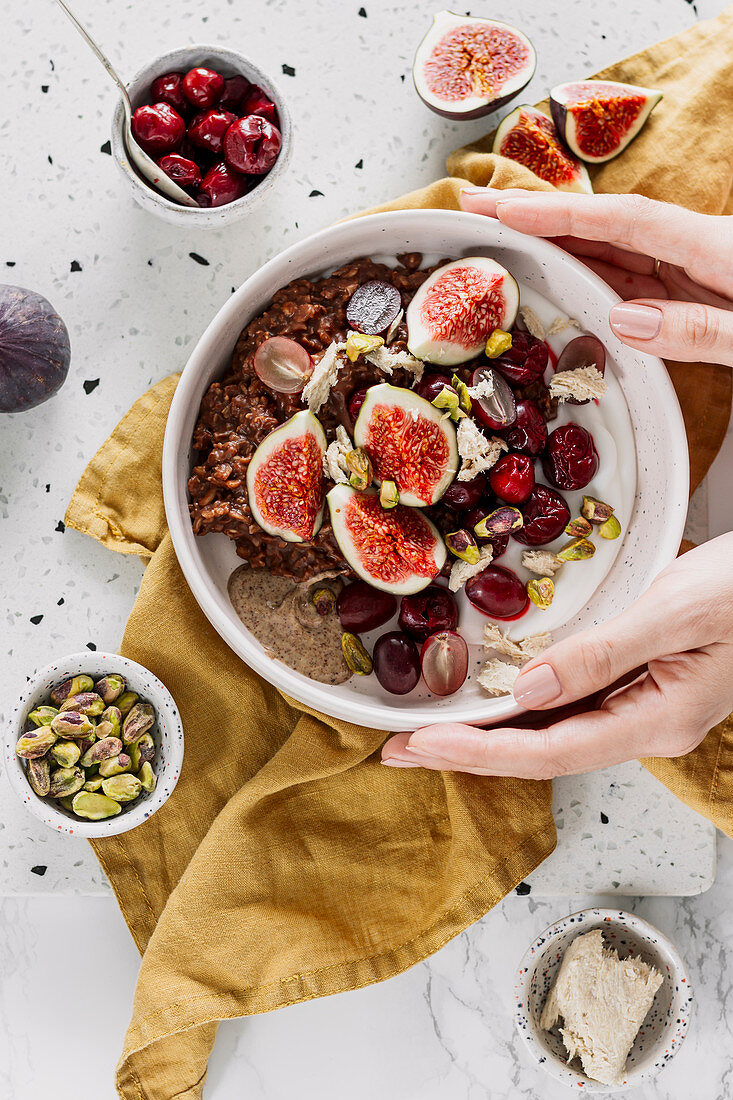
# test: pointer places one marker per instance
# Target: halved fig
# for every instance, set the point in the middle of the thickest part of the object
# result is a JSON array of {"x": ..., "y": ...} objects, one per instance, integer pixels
[
  {"x": 466, "y": 67},
  {"x": 399, "y": 551},
  {"x": 529, "y": 137},
  {"x": 409, "y": 442},
  {"x": 455, "y": 311},
  {"x": 598, "y": 118},
  {"x": 285, "y": 483}
]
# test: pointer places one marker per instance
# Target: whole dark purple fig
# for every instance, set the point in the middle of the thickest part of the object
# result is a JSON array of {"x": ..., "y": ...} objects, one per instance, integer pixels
[{"x": 34, "y": 349}]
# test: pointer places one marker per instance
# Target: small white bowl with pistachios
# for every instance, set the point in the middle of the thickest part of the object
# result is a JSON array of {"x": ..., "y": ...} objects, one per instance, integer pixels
[{"x": 94, "y": 745}]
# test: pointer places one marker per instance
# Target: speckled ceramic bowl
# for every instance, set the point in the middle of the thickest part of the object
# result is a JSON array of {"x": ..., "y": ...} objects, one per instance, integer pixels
[
  {"x": 167, "y": 732},
  {"x": 654, "y": 454},
  {"x": 228, "y": 63},
  {"x": 661, "y": 1034}
]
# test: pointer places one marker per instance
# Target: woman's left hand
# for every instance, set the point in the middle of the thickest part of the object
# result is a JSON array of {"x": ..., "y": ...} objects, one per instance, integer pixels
[{"x": 654, "y": 680}]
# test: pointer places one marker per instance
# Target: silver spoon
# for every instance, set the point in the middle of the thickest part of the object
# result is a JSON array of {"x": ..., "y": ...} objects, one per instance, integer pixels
[{"x": 144, "y": 164}]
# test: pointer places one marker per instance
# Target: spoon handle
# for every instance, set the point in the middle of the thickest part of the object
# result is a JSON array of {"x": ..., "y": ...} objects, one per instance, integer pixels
[{"x": 95, "y": 49}]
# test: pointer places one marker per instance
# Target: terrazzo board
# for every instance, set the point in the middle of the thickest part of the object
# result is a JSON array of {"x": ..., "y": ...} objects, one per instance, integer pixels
[{"x": 137, "y": 293}]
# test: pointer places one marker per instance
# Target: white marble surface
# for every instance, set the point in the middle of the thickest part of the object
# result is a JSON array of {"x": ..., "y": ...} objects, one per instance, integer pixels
[{"x": 443, "y": 1029}]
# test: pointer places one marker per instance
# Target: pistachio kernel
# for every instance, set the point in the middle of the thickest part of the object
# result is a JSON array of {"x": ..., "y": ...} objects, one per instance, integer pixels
[
  {"x": 36, "y": 743},
  {"x": 39, "y": 776},
  {"x": 66, "y": 753},
  {"x": 577, "y": 550},
  {"x": 498, "y": 343},
  {"x": 541, "y": 591},
  {"x": 499, "y": 522},
  {"x": 355, "y": 655},
  {"x": 464, "y": 397},
  {"x": 125, "y": 702},
  {"x": 85, "y": 702},
  {"x": 73, "y": 686},
  {"x": 359, "y": 468},
  {"x": 389, "y": 496},
  {"x": 147, "y": 777},
  {"x": 94, "y": 806},
  {"x": 595, "y": 511},
  {"x": 611, "y": 529},
  {"x": 122, "y": 788},
  {"x": 43, "y": 716},
  {"x": 449, "y": 400},
  {"x": 324, "y": 601},
  {"x": 463, "y": 545},
  {"x": 579, "y": 527},
  {"x": 359, "y": 343},
  {"x": 110, "y": 687},
  {"x": 66, "y": 781}
]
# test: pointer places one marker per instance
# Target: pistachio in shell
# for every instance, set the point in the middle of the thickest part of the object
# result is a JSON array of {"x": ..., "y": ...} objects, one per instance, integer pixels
[
  {"x": 85, "y": 702},
  {"x": 72, "y": 686},
  {"x": 147, "y": 777},
  {"x": 541, "y": 591},
  {"x": 93, "y": 783},
  {"x": 43, "y": 716},
  {"x": 146, "y": 747},
  {"x": 101, "y": 750},
  {"x": 126, "y": 702},
  {"x": 114, "y": 717},
  {"x": 580, "y": 527},
  {"x": 115, "y": 765},
  {"x": 595, "y": 511},
  {"x": 66, "y": 781},
  {"x": 122, "y": 788},
  {"x": 71, "y": 724},
  {"x": 36, "y": 743},
  {"x": 94, "y": 806},
  {"x": 324, "y": 601},
  {"x": 39, "y": 776},
  {"x": 138, "y": 722},
  {"x": 66, "y": 753},
  {"x": 355, "y": 655},
  {"x": 110, "y": 687},
  {"x": 577, "y": 550}
]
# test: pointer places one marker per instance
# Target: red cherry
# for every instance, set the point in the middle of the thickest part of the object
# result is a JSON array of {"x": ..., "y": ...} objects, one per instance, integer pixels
[
  {"x": 465, "y": 494},
  {"x": 526, "y": 360},
  {"x": 498, "y": 592},
  {"x": 251, "y": 145},
  {"x": 169, "y": 89},
  {"x": 185, "y": 172},
  {"x": 570, "y": 460},
  {"x": 235, "y": 89},
  {"x": 356, "y": 401},
  {"x": 546, "y": 516},
  {"x": 257, "y": 102},
  {"x": 430, "y": 385},
  {"x": 529, "y": 433},
  {"x": 425, "y": 612},
  {"x": 221, "y": 185},
  {"x": 512, "y": 478},
  {"x": 157, "y": 127},
  {"x": 207, "y": 130},
  {"x": 203, "y": 87}
]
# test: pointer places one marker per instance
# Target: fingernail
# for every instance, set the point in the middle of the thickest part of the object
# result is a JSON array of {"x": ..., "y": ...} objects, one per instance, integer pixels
[
  {"x": 393, "y": 762},
  {"x": 537, "y": 686},
  {"x": 638, "y": 322}
]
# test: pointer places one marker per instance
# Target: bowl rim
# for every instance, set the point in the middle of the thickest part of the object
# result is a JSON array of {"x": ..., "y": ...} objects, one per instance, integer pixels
[
  {"x": 368, "y": 711},
  {"x": 46, "y": 812},
  {"x": 252, "y": 197},
  {"x": 646, "y": 931}
]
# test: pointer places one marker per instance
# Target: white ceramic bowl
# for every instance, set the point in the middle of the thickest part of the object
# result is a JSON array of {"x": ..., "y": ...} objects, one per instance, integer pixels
[
  {"x": 661, "y": 1034},
  {"x": 228, "y": 63},
  {"x": 650, "y": 541},
  {"x": 167, "y": 733}
]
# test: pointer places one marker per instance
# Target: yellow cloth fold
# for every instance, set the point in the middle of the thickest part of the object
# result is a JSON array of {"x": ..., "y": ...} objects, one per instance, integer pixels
[{"x": 288, "y": 864}]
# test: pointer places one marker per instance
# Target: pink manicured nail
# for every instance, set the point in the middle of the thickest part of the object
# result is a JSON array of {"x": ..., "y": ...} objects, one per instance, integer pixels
[
  {"x": 393, "y": 762},
  {"x": 537, "y": 686},
  {"x": 638, "y": 322},
  {"x": 476, "y": 190}
]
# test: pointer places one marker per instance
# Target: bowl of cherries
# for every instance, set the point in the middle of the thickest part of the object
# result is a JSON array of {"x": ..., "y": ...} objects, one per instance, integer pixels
[{"x": 215, "y": 124}]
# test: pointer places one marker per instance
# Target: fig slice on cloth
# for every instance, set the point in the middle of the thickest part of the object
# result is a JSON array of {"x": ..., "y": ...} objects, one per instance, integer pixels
[
  {"x": 529, "y": 137},
  {"x": 598, "y": 118},
  {"x": 409, "y": 442},
  {"x": 286, "y": 486},
  {"x": 466, "y": 67},
  {"x": 457, "y": 308},
  {"x": 398, "y": 551}
]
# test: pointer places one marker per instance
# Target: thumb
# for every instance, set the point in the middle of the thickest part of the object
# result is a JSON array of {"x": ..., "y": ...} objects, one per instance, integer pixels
[
  {"x": 585, "y": 663},
  {"x": 687, "y": 331}
]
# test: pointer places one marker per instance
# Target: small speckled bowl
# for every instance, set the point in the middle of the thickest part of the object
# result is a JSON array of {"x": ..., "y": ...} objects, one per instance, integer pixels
[
  {"x": 228, "y": 63},
  {"x": 665, "y": 1026},
  {"x": 167, "y": 733}
]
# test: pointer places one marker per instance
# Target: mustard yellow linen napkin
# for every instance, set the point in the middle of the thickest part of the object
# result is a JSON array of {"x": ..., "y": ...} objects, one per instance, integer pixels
[{"x": 288, "y": 864}]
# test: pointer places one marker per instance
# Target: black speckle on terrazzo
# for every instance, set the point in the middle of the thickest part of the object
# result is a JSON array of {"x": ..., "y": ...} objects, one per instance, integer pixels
[
  {"x": 91, "y": 645},
  {"x": 48, "y": 488},
  {"x": 44, "y": 88},
  {"x": 36, "y": 619},
  {"x": 60, "y": 602},
  {"x": 288, "y": 70},
  {"x": 359, "y": 164},
  {"x": 199, "y": 259},
  {"x": 106, "y": 148},
  {"x": 60, "y": 527},
  {"x": 362, "y": 13},
  {"x": 402, "y": 78},
  {"x": 523, "y": 889},
  {"x": 90, "y": 384},
  {"x": 75, "y": 266},
  {"x": 40, "y": 869},
  {"x": 315, "y": 194},
  {"x": 10, "y": 263},
  {"x": 604, "y": 818},
  {"x": 50, "y": 159}
]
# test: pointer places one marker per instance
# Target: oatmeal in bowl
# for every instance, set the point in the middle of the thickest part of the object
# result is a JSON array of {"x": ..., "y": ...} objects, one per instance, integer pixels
[{"x": 415, "y": 467}]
